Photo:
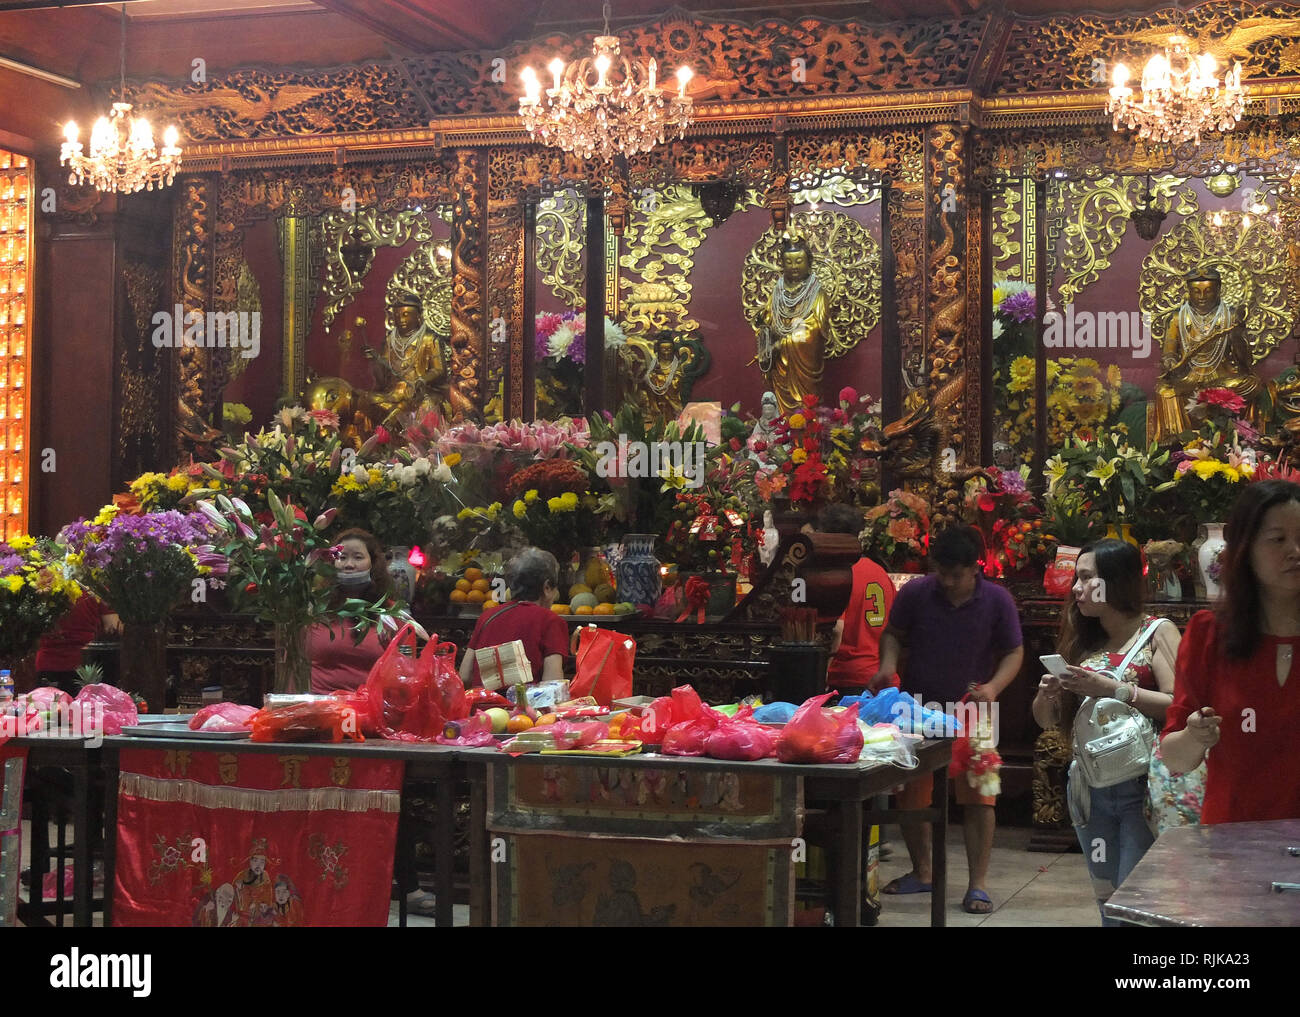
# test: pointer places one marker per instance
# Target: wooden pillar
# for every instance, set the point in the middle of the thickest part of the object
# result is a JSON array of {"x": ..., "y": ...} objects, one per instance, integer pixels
[
  {"x": 528, "y": 380},
  {"x": 1040, "y": 358},
  {"x": 593, "y": 389}
]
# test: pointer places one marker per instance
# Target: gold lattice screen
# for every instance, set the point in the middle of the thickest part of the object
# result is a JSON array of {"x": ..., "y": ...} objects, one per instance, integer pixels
[{"x": 15, "y": 336}]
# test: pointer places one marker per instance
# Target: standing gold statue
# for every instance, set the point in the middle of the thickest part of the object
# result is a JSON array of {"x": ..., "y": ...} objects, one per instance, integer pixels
[
  {"x": 1204, "y": 347},
  {"x": 412, "y": 373},
  {"x": 794, "y": 328}
]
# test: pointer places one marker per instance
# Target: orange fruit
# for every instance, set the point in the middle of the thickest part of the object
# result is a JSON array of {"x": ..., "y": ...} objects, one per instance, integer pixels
[
  {"x": 545, "y": 719},
  {"x": 519, "y": 722},
  {"x": 473, "y": 574},
  {"x": 560, "y": 608},
  {"x": 476, "y": 597},
  {"x": 459, "y": 596},
  {"x": 603, "y": 609},
  {"x": 481, "y": 584},
  {"x": 584, "y": 609},
  {"x": 489, "y": 604},
  {"x": 463, "y": 585}
]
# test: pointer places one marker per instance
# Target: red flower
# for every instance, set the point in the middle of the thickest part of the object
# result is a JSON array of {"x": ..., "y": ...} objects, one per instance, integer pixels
[
  {"x": 987, "y": 503},
  {"x": 250, "y": 588},
  {"x": 837, "y": 415},
  {"x": 735, "y": 444},
  {"x": 760, "y": 446},
  {"x": 382, "y": 436},
  {"x": 848, "y": 394},
  {"x": 810, "y": 401},
  {"x": 1225, "y": 398}
]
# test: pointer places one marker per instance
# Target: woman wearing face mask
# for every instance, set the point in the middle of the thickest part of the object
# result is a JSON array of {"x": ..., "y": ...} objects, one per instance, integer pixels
[
  {"x": 338, "y": 661},
  {"x": 1237, "y": 697},
  {"x": 1105, "y": 627}
]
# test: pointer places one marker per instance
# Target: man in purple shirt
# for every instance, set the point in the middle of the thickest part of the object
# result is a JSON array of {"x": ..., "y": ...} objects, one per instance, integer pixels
[{"x": 962, "y": 636}]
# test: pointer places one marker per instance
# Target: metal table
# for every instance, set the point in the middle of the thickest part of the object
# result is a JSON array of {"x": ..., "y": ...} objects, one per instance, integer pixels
[{"x": 1215, "y": 875}]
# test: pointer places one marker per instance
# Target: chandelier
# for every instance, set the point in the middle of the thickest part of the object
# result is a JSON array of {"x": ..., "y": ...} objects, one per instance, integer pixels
[
  {"x": 624, "y": 113},
  {"x": 1181, "y": 97},
  {"x": 122, "y": 156}
]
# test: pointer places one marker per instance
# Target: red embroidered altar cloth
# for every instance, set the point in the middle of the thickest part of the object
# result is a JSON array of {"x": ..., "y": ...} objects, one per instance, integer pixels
[{"x": 224, "y": 839}]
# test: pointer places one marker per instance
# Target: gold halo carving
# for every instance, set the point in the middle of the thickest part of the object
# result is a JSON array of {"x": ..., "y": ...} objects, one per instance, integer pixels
[
  {"x": 426, "y": 272},
  {"x": 846, "y": 258},
  {"x": 1251, "y": 256}
]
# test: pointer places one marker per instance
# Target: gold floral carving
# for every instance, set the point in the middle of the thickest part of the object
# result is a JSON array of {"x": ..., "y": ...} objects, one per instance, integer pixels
[
  {"x": 140, "y": 379},
  {"x": 1252, "y": 257},
  {"x": 1097, "y": 218},
  {"x": 897, "y": 153},
  {"x": 370, "y": 228},
  {"x": 426, "y": 272},
  {"x": 664, "y": 231},
  {"x": 1009, "y": 238},
  {"x": 946, "y": 320},
  {"x": 192, "y": 271},
  {"x": 907, "y": 239},
  {"x": 506, "y": 306},
  {"x": 745, "y": 161},
  {"x": 561, "y": 238},
  {"x": 468, "y": 326},
  {"x": 846, "y": 258}
]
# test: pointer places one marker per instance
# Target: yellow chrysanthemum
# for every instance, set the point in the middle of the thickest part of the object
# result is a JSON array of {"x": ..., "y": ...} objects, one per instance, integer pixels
[
  {"x": 1022, "y": 375},
  {"x": 494, "y": 510},
  {"x": 22, "y": 543},
  {"x": 797, "y": 421},
  {"x": 531, "y": 496},
  {"x": 1206, "y": 468},
  {"x": 14, "y": 583},
  {"x": 451, "y": 459},
  {"x": 798, "y": 455},
  {"x": 464, "y": 514},
  {"x": 178, "y": 482},
  {"x": 520, "y": 509},
  {"x": 106, "y": 515}
]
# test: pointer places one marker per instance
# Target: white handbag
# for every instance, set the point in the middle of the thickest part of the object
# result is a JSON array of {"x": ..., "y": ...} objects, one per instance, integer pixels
[{"x": 1112, "y": 740}]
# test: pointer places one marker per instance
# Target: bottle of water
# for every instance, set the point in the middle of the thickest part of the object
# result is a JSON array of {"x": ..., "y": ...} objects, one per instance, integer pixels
[{"x": 6, "y": 687}]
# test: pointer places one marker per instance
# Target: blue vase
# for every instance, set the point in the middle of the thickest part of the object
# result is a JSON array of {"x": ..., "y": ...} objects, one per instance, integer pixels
[{"x": 638, "y": 571}]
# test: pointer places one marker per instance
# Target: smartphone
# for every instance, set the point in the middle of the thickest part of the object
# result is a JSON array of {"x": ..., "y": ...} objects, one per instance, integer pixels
[{"x": 1055, "y": 664}]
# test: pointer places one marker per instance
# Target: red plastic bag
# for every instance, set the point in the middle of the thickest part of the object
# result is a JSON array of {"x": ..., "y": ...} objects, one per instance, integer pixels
[
  {"x": 479, "y": 698},
  {"x": 687, "y": 704},
  {"x": 689, "y": 737},
  {"x": 605, "y": 659},
  {"x": 816, "y": 735},
  {"x": 331, "y": 721},
  {"x": 404, "y": 695},
  {"x": 449, "y": 690},
  {"x": 740, "y": 738}
]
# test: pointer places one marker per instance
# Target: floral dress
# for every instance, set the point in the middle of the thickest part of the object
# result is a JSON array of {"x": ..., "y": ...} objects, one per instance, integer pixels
[{"x": 1172, "y": 801}]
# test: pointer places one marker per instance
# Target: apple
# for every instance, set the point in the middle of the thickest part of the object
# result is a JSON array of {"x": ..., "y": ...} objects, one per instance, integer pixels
[{"x": 500, "y": 718}]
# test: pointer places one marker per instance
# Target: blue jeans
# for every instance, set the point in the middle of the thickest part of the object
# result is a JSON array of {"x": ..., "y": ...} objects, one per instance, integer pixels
[{"x": 1115, "y": 837}]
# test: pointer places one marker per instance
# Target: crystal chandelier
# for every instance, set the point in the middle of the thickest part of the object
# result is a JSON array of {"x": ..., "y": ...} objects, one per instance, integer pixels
[
  {"x": 122, "y": 153},
  {"x": 624, "y": 113},
  {"x": 1181, "y": 97}
]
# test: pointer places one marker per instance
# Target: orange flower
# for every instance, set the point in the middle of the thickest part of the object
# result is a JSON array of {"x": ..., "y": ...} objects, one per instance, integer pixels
[{"x": 902, "y": 529}]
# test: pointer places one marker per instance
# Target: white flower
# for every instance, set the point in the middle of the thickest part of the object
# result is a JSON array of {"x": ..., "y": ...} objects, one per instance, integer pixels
[
  {"x": 442, "y": 473},
  {"x": 360, "y": 475},
  {"x": 614, "y": 334},
  {"x": 561, "y": 339},
  {"x": 997, "y": 327},
  {"x": 422, "y": 467}
]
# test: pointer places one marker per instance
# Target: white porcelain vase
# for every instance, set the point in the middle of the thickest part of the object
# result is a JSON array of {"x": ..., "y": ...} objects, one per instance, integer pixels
[{"x": 1207, "y": 554}]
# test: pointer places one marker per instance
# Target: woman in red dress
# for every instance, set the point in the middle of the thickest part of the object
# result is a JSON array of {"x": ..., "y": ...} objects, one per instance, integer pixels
[
  {"x": 338, "y": 662},
  {"x": 1236, "y": 693}
]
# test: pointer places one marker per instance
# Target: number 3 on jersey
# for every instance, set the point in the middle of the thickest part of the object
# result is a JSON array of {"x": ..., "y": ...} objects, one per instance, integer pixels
[{"x": 873, "y": 605}]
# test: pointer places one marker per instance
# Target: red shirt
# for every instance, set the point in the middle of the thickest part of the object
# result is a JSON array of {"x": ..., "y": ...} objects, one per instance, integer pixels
[
  {"x": 1253, "y": 773},
  {"x": 858, "y": 658},
  {"x": 340, "y": 664},
  {"x": 543, "y": 632},
  {"x": 60, "y": 648}
]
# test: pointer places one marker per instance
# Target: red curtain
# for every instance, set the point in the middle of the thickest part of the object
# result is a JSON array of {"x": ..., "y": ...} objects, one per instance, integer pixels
[{"x": 225, "y": 838}]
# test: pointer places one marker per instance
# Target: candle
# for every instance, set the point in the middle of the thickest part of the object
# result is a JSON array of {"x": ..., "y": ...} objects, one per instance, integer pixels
[
  {"x": 602, "y": 65},
  {"x": 557, "y": 70},
  {"x": 684, "y": 74},
  {"x": 652, "y": 73}
]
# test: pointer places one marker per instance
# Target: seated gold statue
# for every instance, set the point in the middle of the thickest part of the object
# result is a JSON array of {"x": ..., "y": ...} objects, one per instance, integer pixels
[
  {"x": 411, "y": 375},
  {"x": 1204, "y": 347},
  {"x": 793, "y": 329}
]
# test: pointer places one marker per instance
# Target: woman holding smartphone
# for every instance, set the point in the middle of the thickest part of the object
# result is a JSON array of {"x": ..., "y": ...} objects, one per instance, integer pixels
[
  {"x": 1237, "y": 697},
  {"x": 1103, "y": 628}
]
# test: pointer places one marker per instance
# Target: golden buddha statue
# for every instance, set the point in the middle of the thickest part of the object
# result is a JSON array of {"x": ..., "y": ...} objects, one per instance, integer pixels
[
  {"x": 1204, "y": 347},
  {"x": 794, "y": 328}
]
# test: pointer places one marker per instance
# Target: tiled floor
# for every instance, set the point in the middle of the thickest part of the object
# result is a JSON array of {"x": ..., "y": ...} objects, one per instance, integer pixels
[{"x": 1027, "y": 888}]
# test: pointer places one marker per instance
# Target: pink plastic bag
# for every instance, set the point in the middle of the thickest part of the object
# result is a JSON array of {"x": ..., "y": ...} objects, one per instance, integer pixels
[
  {"x": 816, "y": 735},
  {"x": 689, "y": 738},
  {"x": 119, "y": 708},
  {"x": 577, "y": 734},
  {"x": 740, "y": 738},
  {"x": 468, "y": 732},
  {"x": 223, "y": 717}
]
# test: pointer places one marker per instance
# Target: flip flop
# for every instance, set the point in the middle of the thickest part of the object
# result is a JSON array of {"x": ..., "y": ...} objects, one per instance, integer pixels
[
  {"x": 906, "y": 884},
  {"x": 974, "y": 897}
]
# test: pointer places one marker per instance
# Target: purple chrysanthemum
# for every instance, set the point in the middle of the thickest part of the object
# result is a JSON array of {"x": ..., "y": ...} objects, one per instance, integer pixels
[{"x": 1021, "y": 307}]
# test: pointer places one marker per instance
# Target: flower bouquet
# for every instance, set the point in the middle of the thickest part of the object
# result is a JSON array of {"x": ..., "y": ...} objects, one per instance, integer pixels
[
  {"x": 36, "y": 590},
  {"x": 283, "y": 572},
  {"x": 1010, "y": 521},
  {"x": 1112, "y": 478},
  {"x": 897, "y": 531}
]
